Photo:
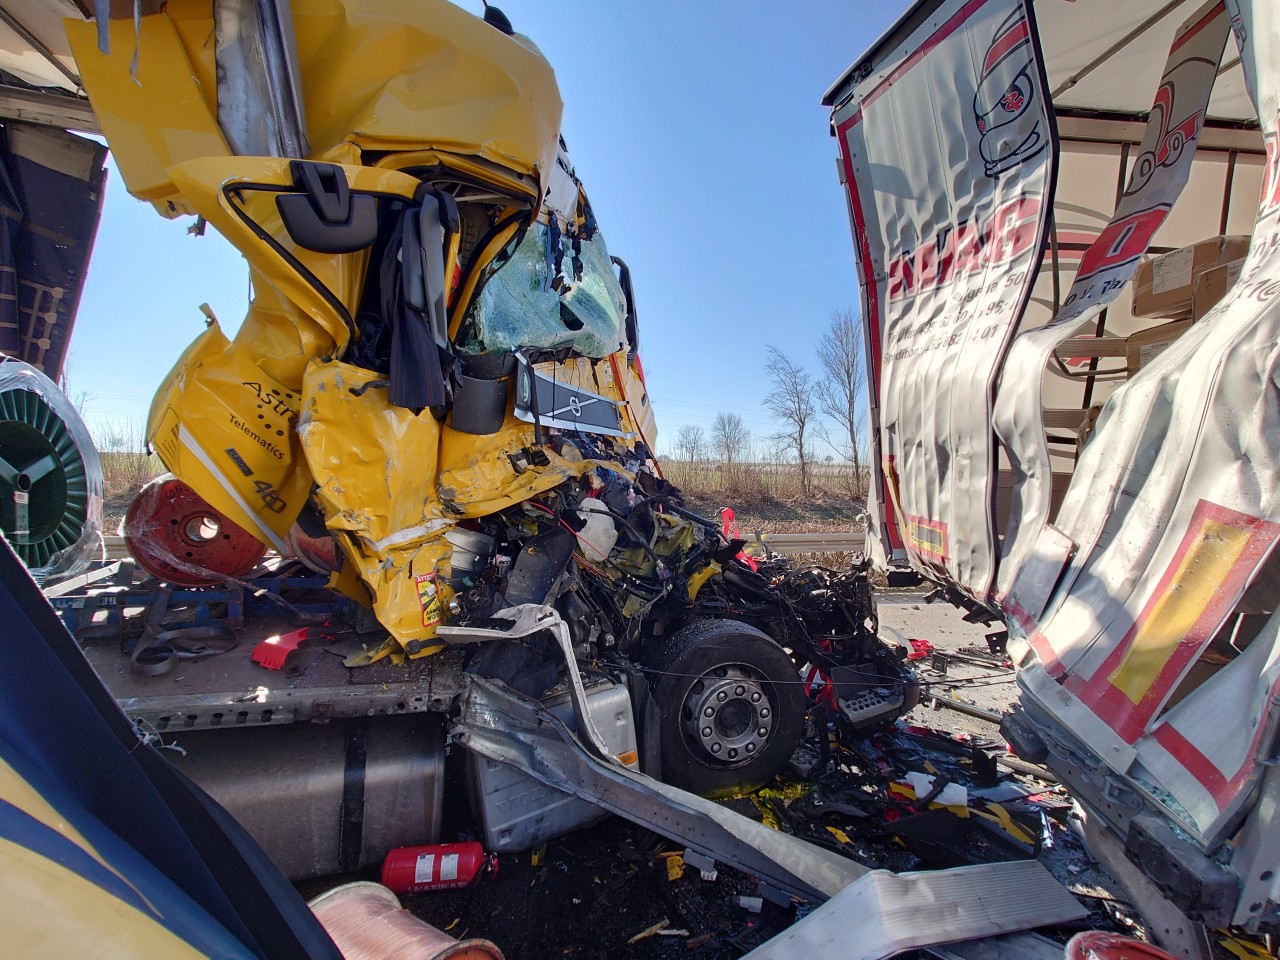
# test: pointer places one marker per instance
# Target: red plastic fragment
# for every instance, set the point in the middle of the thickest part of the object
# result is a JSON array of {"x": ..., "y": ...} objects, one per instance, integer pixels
[
  {"x": 920, "y": 649},
  {"x": 274, "y": 651}
]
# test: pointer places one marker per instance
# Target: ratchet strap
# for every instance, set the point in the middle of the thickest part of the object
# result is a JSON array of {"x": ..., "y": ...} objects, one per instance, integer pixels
[{"x": 158, "y": 651}]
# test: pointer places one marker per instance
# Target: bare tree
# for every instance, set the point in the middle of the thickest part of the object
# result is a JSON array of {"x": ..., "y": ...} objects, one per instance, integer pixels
[
  {"x": 691, "y": 444},
  {"x": 844, "y": 384},
  {"x": 792, "y": 401},
  {"x": 730, "y": 437}
]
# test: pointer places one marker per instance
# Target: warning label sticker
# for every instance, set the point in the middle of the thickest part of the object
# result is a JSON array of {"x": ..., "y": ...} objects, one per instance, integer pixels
[
  {"x": 428, "y": 598},
  {"x": 423, "y": 868},
  {"x": 449, "y": 866}
]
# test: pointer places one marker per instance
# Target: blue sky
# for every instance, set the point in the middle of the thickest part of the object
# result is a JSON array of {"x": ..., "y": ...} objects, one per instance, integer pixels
[{"x": 698, "y": 132}]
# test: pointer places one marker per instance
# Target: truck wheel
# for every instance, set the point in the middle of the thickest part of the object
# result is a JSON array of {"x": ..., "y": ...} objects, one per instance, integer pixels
[{"x": 732, "y": 709}]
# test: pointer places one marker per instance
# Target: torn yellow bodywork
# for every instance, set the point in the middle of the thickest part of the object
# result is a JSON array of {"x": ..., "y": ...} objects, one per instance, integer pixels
[
  {"x": 375, "y": 469},
  {"x": 378, "y": 75},
  {"x": 224, "y": 418},
  {"x": 398, "y": 93}
]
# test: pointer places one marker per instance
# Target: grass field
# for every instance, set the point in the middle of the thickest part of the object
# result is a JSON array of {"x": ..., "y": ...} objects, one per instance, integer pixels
[{"x": 766, "y": 497}]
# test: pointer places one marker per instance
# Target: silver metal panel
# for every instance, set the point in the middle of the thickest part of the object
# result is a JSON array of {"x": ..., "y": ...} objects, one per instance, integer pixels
[
  {"x": 260, "y": 107},
  {"x": 519, "y": 812},
  {"x": 884, "y": 913},
  {"x": 285, "y": 786},
  {"x": 511, "y": 729}
]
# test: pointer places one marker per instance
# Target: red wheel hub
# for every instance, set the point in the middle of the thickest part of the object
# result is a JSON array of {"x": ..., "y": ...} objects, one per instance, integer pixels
[{"x": 175, "y": 535}]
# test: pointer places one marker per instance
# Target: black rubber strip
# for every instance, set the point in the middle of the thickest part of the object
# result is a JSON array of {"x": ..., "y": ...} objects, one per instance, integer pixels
[{"x": 351, "y": 826}]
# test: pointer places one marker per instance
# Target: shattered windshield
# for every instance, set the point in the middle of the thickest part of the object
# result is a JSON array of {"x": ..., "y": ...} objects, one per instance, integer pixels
[{"x": 555, "y": 291}]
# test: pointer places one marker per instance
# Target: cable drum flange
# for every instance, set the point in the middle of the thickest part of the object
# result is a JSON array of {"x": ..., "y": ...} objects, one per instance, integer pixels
[
  {"x": 175, "y": 535},
  {"x": 50, "y": 475}
]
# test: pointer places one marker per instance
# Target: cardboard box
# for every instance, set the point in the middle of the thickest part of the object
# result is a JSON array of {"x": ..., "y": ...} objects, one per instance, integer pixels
[
  {"x": 1212, "y": 285},
  {"x": 1145, "y": 345},
  {"x": 1164, "y": 286}
]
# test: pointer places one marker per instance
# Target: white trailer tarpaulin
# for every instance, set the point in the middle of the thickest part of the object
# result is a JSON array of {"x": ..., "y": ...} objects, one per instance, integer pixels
[
  {"x": 949, "y": 210},
  {"x": 1162, "y": 627},
  {"x": 1035, "y": 553}
]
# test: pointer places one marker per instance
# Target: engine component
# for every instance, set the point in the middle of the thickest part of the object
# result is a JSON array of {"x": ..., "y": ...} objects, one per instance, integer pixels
[
  {"x": 732, "y": 708},
  {"x": 50, "y": 475},
  {"x": 338, "y": 796},
  {"x": 472, "y": 551},
  {"x": 176, "y": 536}
]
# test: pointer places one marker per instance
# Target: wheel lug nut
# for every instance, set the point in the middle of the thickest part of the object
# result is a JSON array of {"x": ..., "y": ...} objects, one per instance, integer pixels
[
  {"x": 733, "y": 754},
  {"x": 755, "y": 697},
  {"x": 739, "y": 690},
  {"x": 706, "y": 731},
  {"x": 709, "y": 712},
  {"x": 722, "y": 696},
  {"x": 751, "y": 748},
  {"x": 764, "y": 713},
  {"x": 715, "y": 748},
  {"x": 763, "y": 732}
]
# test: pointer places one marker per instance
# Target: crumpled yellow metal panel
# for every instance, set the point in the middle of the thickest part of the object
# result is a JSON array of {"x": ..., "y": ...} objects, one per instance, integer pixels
[
  {"x": 477, "y": 477},
  {"x": 421, "y": 74},
  {"x": 375, "y": 470},
  {"x": 163, "y": 118},
  {"x": 225, "y": 427},
  {"x": 223, "y": 419},
  {"x": 380, "y": 74}
]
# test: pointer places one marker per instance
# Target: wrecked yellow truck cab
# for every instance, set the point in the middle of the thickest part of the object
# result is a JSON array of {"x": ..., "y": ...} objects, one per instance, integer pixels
[
  {"x": 436, "y": 399},
  {"x": 435, "y": 253}
]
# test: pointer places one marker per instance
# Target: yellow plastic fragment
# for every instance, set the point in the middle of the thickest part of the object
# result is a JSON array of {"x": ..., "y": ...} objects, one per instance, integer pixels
[
  {"x": 539, "y": 854},
  {"x": 700, "y": 577},
  {"x": 906, "y": 792},
  {"x": 675, "y": 868},
  {"x": 389, "y": 648},
  {"x": 1244, "y": 949},
  {"x": 1000, "y": 815},
  {"x": 840, "y": 835}
]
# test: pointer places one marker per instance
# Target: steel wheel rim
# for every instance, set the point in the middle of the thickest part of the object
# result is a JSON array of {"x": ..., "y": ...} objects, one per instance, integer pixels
[{"x": 727, "y": 717}]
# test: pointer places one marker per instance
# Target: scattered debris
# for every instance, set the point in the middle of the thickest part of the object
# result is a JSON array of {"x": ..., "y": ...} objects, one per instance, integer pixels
[
  {"x": 704, "y": 865},
  {"x": 274, "y": 651},
  {"x": 648, "y": 932}
]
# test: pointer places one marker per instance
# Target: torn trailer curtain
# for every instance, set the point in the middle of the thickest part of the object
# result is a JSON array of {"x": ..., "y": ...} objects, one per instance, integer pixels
[
  {"x": 51, "y": 190},
  {"x": 1163, "y": 625},
  {"x": 1140, "y": 575},
  {"x": 946, "y": 148}
]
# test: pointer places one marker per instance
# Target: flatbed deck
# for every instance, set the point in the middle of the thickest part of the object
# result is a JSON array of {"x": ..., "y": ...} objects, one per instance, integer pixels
[
  {"x": 230, "y": 689},
  {"x": 314, "y": 686}
]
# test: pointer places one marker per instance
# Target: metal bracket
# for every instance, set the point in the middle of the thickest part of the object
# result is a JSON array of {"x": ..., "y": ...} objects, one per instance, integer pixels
[{"x": 526, "y": 620}]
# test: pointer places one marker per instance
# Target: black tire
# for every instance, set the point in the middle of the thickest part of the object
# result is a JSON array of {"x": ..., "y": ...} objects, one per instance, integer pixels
[{"x": 761, "y": 692}]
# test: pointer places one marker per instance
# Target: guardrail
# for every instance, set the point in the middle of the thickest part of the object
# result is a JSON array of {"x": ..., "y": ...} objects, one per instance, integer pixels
[{"x": 844, "y": 542}]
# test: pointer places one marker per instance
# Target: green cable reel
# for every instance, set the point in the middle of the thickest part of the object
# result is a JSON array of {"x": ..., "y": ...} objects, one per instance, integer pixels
[{"x": 50, "y": 475}]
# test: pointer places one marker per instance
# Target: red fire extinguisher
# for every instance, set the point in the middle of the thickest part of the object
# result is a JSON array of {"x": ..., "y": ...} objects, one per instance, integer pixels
[{"x": 443, "y": 866}]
